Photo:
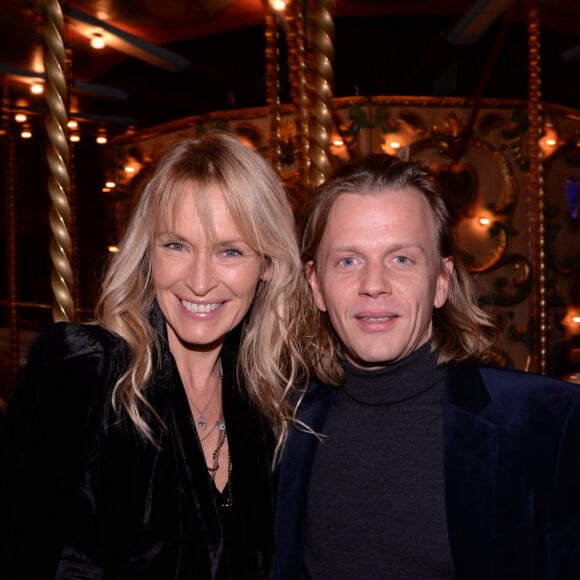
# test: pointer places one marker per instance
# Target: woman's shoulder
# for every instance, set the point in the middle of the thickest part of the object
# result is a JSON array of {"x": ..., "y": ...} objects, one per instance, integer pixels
[
  {"x": 69, "y": 371},
  {"x": 67, "y": 342},
  {"x": 72, "y": 355}
]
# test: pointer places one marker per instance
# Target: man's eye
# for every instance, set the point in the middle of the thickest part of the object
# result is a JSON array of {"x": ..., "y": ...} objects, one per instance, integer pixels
[
  {"x": 402, "y": 260},
  {"x": 347, "y": 261}
]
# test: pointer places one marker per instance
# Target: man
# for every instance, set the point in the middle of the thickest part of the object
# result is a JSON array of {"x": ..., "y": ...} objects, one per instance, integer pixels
[{"x": 413, "y": 460}]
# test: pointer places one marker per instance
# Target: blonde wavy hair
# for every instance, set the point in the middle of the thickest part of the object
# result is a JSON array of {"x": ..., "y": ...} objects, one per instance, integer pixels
[
  {"x": 462, "y": 331},
  {"x": 269, "y": 363}
]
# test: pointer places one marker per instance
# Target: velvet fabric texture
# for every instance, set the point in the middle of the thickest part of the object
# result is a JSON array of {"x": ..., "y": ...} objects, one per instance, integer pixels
[
  {"x": 85, "y": 496},
  {"x": 512, "y": 476}
]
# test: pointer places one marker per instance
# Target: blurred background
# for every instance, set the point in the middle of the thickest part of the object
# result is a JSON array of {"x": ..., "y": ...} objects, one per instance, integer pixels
[{"x": 459, "y": 76}]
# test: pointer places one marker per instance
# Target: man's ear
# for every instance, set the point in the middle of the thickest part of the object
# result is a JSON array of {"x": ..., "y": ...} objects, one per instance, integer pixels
[
  {"x": 443, "y": 282},
  {"x": 312, "y": 277}
]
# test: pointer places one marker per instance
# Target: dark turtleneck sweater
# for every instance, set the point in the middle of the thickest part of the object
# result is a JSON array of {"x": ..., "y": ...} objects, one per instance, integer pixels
[{"x": 376, "y": 506}]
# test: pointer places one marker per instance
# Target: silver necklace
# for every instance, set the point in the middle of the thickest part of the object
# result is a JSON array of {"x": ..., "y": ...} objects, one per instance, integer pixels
[
  {"x": 219, "y": 423},
  {"x": 202, "y": 419}
]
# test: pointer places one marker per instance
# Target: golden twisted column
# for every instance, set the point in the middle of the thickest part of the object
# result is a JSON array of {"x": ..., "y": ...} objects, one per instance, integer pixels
[
  {"x": 273, "y": 86},
  {"x": 536, "y": 195},
  {"x": 322, "y": 56},
  {"x": 56, "y": 93},
  {"x": 298, "y": 67}
]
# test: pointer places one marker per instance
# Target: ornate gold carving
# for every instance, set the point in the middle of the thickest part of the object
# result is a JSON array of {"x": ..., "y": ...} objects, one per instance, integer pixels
[{"x": 536, "y": 193}]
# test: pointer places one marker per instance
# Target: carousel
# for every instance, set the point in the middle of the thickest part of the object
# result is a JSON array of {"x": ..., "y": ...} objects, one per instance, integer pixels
[{"x": 511, "y": 169}]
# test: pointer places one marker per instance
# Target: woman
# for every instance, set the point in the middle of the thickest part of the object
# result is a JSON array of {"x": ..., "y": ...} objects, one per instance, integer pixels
[{"x": 142, "y": 446}]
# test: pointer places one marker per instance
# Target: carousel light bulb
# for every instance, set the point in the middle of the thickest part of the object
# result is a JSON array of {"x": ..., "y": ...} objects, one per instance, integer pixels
[
  {"x": 97, "y": 41},
  {"x": 278, "y": 5}
]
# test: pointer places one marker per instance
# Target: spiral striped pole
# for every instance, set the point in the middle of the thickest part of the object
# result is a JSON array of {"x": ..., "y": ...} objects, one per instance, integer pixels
[
  {"x": 56, "y": 93},
  {"x": 298, "y": 69},
  {"x": 322, "y": 79}
]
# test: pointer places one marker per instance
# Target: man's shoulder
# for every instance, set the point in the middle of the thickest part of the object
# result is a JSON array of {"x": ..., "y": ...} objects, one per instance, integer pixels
[
  {"x": 518, "y": 393},
  {"x": 513, "y": 378}
]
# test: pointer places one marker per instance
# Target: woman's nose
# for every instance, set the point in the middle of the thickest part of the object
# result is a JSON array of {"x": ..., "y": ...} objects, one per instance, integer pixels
[{"x": 202, "y": 277}]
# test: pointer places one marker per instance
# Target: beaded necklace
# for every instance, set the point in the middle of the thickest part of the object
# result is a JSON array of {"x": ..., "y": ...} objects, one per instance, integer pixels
[{"x": 227, "y": 499}]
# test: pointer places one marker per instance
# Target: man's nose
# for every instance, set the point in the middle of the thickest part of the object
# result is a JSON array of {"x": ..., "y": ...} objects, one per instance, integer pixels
[{"x": 375, "y": 280}]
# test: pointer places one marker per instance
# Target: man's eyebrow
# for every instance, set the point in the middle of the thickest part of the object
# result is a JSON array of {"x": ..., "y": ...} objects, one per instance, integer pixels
[{"x": 393, "y": 248}]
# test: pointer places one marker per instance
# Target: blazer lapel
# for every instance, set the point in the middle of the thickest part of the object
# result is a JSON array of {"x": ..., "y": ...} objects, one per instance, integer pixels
[
  {"x": 470, "y": 449},
  {"x": 294, "y": 482}
]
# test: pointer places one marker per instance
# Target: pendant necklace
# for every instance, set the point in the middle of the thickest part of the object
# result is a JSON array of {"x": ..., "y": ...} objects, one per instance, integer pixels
[{"x": 202, "y": 420}]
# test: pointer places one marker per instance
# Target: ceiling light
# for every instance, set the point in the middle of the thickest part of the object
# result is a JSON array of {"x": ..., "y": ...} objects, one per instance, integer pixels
[
  {"x": 278, "y": 5},
  {"x": 97, "y": 41}
]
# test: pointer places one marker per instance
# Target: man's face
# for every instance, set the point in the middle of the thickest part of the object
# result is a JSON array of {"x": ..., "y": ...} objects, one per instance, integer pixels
[{"x": 378, "y": 274}]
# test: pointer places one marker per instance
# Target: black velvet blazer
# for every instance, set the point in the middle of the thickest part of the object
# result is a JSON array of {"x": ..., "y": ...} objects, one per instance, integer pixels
[{"x": 85, "y": 496}]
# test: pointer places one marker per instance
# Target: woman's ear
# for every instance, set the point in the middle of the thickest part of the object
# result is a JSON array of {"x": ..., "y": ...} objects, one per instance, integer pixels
[{"x": 267, "y": 270}]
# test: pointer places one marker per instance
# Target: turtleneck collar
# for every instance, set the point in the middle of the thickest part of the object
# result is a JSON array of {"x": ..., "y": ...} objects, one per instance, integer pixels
[{"x": 395, "y": 383}]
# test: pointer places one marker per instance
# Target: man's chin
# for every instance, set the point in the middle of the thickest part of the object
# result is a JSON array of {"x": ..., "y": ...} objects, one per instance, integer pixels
[{"x": 372, "y": 362}]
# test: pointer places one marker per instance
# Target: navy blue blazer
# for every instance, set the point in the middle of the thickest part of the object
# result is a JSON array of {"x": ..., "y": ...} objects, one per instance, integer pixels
[{"x": 512, "y": 476}]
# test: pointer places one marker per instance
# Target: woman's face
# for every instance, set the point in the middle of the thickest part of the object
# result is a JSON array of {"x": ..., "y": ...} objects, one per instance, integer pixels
[{"x": 204, "y": 287}]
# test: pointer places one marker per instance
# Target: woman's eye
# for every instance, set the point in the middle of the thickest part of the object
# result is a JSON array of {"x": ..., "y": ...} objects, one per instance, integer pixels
[
  {"x": 232, "y": 252},
  {"x": 174, "y": 245}
]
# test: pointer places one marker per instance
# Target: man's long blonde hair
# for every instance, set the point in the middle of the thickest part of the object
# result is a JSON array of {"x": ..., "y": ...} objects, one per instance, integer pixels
[{"x": 269, "y": 361}]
